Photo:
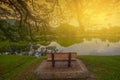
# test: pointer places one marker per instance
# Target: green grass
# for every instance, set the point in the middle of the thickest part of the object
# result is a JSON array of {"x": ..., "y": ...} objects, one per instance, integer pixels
[
  {"x": 103, "y": 67},
  {"x": 10, "y": 65},
  {"x": 100, "y": 67}
]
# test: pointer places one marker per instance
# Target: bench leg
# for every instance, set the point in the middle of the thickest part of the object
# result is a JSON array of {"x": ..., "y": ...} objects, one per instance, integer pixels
[
  {"x": 69, "y": 60},
  {"x": 53, "y": 61}
]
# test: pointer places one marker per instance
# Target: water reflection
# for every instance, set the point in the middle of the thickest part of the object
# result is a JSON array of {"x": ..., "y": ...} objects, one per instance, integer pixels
[{"x": 91, "y": 47}]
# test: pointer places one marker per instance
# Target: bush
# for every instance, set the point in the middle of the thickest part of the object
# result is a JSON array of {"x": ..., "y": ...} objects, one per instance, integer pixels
[{"x": 7, "y": 46}]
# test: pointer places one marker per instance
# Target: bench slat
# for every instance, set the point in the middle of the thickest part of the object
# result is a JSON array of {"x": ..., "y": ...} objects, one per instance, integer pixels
[
  {"x": 61, "y": 55},
  {"x": 60, "y": 59}
]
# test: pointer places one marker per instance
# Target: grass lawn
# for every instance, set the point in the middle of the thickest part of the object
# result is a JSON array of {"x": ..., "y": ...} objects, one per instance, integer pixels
[
  {"x": 100, "y": 67},
  {"x": 11, "y": 65},
  {"x": 103, "y": 67}
]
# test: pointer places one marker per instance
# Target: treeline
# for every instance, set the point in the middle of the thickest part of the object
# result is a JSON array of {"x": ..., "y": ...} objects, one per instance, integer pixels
[
  {"x": 67, "y": 35},
  {"x": 14, "y": 38},
  {"x": 111, "y": 34}
]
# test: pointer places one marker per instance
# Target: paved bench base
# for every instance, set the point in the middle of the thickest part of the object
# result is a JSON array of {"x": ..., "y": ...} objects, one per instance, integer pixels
[{"x": 61, "y": 71}]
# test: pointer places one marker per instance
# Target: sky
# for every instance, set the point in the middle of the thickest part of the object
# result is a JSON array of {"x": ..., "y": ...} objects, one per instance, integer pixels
[
  {"x": 98, "y": 13},
  {"x": 92, "y": 14}
]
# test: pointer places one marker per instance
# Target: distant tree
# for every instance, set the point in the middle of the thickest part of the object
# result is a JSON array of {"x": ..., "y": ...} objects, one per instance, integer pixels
[{"x": 66, "y": 30}]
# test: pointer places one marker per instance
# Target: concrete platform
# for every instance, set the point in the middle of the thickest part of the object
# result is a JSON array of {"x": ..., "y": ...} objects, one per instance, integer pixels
[{"x": 61, "y": 71}]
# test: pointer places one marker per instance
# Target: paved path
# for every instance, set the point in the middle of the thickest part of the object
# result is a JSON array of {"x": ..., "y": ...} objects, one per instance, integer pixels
[{"x": 61, "y": 71}]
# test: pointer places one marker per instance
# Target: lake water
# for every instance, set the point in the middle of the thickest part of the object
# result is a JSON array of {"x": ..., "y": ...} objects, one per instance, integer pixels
[{"x": 91, "y": 47}]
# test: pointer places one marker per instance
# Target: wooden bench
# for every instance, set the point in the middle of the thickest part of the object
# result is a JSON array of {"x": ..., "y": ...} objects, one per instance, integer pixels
[{"x": 61, "y": 57}]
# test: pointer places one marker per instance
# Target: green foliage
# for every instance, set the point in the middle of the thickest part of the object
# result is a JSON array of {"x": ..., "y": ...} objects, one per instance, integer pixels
[
  {"x": 4, "y": 46},
  {"x": 13, "y": 46},
  {"x": 9, "y": 30},
  {"x": 66, "y": 30},
  {"x": 67, "y": 35},
  {"x": 67, "y": 41}
]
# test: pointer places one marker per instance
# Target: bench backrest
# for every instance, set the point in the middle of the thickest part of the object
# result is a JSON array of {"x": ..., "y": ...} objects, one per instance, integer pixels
[{"x": 61, "y": 56}]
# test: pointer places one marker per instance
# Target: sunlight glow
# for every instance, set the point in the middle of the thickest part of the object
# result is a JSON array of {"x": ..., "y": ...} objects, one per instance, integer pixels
[
  {"x": 99, "y": 14},
  {"x": 74, "y": 22}
]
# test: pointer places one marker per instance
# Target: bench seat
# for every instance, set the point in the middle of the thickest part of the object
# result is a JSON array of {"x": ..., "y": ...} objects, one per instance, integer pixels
[
  {"x": 61, "y": 59},
  {"x": 53, "y": 57}
]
